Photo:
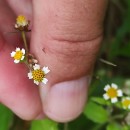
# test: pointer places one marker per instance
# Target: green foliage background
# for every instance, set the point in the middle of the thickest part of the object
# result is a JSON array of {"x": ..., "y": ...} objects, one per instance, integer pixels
[{"x": 116, "y": 49}]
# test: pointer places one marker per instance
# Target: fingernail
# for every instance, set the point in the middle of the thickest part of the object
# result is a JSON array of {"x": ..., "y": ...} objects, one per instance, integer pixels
[{"x": 66, "y": 100}]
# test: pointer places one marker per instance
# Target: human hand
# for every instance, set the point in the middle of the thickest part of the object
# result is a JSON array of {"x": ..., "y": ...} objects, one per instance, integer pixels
[{"x": 70, "y": 32}]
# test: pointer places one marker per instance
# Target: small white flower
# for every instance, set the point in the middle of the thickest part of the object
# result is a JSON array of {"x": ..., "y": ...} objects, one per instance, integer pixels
[
  {"x": 112, "y": 92},
  {"x": 21, "y": 21},
  {"x": 126, "y": 103},
  {"x": 38, "y": 74},
  {"x": 18, "y": 55}
]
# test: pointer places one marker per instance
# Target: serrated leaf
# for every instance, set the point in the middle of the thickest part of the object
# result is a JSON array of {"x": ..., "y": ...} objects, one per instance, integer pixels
[
  {"x": 44, "y": 125},
  {"x": 96, "y": 113},
  {"x": 6, "y": 117}
]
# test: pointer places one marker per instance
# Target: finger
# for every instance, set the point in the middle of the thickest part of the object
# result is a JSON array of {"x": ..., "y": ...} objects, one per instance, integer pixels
[
  {"x": 70, "y": 33},
  {"x": 23, "y": 7},
  {"x": 16, "y": 91}
]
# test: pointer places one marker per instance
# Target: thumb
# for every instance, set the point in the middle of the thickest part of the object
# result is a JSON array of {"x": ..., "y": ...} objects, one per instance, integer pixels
[{"x": 70, "y": 33}]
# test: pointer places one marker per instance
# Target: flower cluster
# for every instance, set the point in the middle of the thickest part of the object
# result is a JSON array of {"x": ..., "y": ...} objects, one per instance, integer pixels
[
  {"x": 36, "y": 73},
  {"x": 113, "y": 93}
]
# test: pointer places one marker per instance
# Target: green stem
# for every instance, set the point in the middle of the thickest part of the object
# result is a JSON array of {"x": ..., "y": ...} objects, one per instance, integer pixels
[
  {"x": 117, "y": 117},
  {"x": 25, "y": 44},
  {"x": 66, "y": 126},
  {"x": 26, "y": 63}
]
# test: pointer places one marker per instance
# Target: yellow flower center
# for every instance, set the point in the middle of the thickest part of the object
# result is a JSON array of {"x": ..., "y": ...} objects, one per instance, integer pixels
[
  {"x": 126, "y": 103},
  {"x": 112, "y": 92},
  {"x": 21, "y": 20},
  {"x": 38, "y": 75},
  {"x": 18, "y": 55}
]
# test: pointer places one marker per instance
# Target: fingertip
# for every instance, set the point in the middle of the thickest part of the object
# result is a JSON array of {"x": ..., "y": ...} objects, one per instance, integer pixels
[
  {"x": 65, "y": 101},
  {"x": 40, "y": 116},
  {"x": 17, "y": 92}
]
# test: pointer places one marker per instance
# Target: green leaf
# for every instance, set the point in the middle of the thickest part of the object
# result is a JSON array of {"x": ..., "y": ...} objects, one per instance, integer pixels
[
  {"x": 96, "y": 113},
  {"x": 44, "y": 125},
  {"x": 114, "y": 126},
  {"x": 6, "y": 117},
  {"x": 126, "y": 127},
  {"x": 118, "y": 105},
  {"x": 125, "y": 51},
  {"x": 80, "y": 123},
  {"x": 99, "y": 100}
]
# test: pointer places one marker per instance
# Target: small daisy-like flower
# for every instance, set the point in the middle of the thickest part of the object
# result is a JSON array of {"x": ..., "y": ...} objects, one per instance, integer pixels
[
  {"x": 21, "y": 23},
  {"x": 18, "y": 55},
  {"x": 38, "y": 74},
  {"x": 112, "y": 92},
  {"x": 126, "y": 103}
]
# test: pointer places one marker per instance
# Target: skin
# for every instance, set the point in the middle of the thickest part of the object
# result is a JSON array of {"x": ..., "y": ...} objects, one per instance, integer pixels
[{"x": 70, "y": 32}]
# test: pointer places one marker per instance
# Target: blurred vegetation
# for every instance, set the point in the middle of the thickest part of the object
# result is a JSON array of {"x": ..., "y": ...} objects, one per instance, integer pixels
[{"x": 116, "y": 49}]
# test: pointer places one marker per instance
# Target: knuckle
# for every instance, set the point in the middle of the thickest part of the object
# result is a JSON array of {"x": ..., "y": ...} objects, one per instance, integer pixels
[{"x": 73, "y": 59}]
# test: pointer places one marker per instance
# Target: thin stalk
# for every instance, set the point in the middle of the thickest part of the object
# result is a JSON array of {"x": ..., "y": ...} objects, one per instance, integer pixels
[
  {"x": 25, "y": 44},
  {"x": 66, "y": 126},
  {"x": 26, "y": 63}
]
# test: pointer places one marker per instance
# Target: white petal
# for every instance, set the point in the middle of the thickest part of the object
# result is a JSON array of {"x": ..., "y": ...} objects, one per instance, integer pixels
[
  {"x": 114, "y": 100},
  {"x": 16, "y": 61},
  {"x": 105, "y": 96},
  {"x": 17, "y": 49},
  {"x": 36, "y": 82},
  {"x": 119, "y": 93},
  {"x": 23, "y": 51},
  {"x": 107, "y": 87},
  {"x": 46, "y": 70},
  {"x": 128, "y": 98},
  {"x": 114, "y": 86},
  {"x": 16, "y": 26},
  {"x": 22, "y": 57},
  {"x": 129, "y": 107},
  {"x": 13, "y": 53},
  {"x": 45, "y": 80},
  {"x": 24, "y": 23},
  {"x": 36, "y": 66},
  {"x": 30, "y": 75}
]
